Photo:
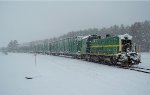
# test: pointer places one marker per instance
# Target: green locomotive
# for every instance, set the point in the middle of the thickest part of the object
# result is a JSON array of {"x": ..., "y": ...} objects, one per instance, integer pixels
[{"x": 111, "y": 50}]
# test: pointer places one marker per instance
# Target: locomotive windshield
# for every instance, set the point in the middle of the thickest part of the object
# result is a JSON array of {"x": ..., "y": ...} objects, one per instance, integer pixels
[{"x": 126, "y": 45}]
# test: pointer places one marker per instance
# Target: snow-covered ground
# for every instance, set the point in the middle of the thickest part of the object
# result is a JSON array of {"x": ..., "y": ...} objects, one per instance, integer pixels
[
  {"x": 145, "y": 58},
  {"x": 54, "y": 75}
]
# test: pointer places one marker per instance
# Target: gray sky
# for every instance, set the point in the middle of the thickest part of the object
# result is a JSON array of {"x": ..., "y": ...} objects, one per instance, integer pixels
[{"x": 28, "y": 21}]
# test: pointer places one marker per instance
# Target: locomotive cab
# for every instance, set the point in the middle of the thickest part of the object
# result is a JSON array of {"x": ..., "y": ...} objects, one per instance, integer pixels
[
  {"x": 126, "y": 45},
  {"x": 129, "y": 54}
]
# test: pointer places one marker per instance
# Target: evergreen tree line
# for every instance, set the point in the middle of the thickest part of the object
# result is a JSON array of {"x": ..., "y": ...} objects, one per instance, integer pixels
[
  {"x": 139, "y": 30},
  {"x": 12, "y": 46}
]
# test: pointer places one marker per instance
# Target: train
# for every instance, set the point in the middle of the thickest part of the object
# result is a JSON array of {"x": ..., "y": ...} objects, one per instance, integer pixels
[{"x": 112, "y": 50}]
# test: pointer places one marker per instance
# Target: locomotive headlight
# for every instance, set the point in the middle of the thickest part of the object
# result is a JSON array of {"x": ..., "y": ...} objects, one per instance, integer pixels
[{"x": 128, "y": 54}]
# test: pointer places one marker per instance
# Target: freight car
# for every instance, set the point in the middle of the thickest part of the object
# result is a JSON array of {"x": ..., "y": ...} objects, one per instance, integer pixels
[
  {"x": 116, "y": 50},
  {"x": 68, "y": 46}
]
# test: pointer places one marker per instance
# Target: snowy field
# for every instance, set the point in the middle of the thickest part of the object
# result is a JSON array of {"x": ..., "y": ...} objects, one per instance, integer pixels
[{"x": 54, "y": 75}]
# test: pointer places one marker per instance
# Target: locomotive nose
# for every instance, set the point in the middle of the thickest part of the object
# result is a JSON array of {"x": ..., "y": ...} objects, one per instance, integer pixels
[{"x": 134, "y": 58}]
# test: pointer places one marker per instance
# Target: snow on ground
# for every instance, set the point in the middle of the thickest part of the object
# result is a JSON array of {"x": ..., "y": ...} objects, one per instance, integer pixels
[
  {"x": 145, "y": 58},
  {"x": 54, "y": 75}
]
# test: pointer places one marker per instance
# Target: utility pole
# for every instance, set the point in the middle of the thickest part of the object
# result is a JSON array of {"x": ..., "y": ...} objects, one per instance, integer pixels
[{"x": 35, "y": 58}]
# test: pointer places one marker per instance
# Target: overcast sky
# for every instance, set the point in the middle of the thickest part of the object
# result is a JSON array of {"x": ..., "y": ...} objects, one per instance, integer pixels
[{"x": 28, "y": 21}]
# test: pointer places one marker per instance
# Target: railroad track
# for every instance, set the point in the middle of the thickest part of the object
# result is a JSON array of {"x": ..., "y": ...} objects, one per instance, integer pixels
[{"x": 138, "y": 69}]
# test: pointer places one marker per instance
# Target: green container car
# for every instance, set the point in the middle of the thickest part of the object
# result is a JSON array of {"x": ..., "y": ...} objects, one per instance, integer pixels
[{"x": 68, "y": 46}]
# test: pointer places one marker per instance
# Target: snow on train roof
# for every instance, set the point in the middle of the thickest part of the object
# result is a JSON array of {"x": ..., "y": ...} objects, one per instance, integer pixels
[
  {"x": 124, "y": 36},
  {"x": 85, "y": 37}
]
